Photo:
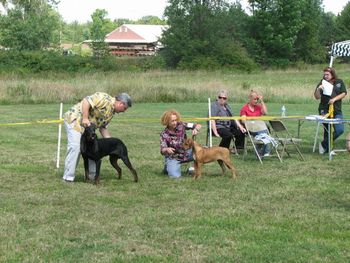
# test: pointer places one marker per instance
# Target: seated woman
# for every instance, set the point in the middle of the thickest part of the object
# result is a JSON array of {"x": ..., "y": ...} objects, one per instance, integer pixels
[
  {"x": 171, "y": 141},
  {"x": 256, "y": 108},
  {"x": 226, "y": 129}
]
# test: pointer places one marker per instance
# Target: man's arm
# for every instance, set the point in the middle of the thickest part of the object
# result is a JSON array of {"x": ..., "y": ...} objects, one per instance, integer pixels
[
  {"x": 105, "y": 133},
  {"x": 85, "y": 122}
]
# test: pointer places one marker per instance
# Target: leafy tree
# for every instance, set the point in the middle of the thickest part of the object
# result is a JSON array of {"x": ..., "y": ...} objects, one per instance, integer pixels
[
  {"x": 120, "y": 21},
  {"x": 307, "y": 46},
  {"x": 274, "y": 26},
  {"x": 202, "y": 35},
  {"x": 99, "y": 27},
  {"x": 151, "y": 20},
  {"x": 343, "y": 23},
  {"x": 75, "y": 32},
  {"x": 329, "y": 32},
  {"x": 29, "y": 25}
]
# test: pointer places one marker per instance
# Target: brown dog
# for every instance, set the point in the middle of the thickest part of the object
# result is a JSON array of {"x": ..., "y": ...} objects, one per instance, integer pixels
[{"x": 206, "y": 155}]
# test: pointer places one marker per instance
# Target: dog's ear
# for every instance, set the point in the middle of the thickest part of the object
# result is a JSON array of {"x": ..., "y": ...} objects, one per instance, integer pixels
[{"x": 190, "y": 142}]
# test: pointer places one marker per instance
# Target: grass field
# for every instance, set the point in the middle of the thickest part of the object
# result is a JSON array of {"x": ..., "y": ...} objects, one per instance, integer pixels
[
  {"x": 284, "y": 86},
  {"x": 276, "y": 212}
]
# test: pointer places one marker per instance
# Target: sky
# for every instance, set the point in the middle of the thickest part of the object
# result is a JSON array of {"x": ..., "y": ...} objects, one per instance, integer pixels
[{"x": 81, "y": 10}]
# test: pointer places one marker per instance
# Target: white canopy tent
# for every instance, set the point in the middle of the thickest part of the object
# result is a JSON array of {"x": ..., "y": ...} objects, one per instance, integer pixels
[{"x": 339, "y": 49}]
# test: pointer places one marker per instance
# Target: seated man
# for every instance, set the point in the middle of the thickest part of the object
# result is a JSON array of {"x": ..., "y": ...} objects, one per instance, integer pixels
[{"x": 226, "y": 129}]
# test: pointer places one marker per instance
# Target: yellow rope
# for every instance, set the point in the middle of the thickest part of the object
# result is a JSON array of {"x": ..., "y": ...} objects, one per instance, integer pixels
[
  {"x": 33, "y": 122},
  {"x": 330, "y": 114}
]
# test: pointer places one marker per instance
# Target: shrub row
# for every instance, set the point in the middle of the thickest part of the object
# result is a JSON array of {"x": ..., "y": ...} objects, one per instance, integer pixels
[{"x": 42, "y": 61}]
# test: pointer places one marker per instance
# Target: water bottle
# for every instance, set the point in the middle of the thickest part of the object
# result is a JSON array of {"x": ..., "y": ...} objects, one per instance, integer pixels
[{"x": 283, "y": 111}]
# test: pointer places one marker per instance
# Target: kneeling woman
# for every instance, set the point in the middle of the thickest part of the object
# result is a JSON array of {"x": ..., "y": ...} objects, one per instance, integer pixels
[{"x": 171, "y": 141}]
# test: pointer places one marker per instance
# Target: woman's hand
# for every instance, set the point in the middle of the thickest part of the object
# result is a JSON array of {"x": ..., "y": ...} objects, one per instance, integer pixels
[
  {"x": 196, "y": 129},
  {"x": 243, "y": 130},
  {"x": 169, "y": 150},
  {"x": 331, "y": 101}
]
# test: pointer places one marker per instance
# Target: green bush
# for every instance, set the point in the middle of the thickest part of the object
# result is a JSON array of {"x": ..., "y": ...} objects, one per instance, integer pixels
[{"x": 43, "y": 61}]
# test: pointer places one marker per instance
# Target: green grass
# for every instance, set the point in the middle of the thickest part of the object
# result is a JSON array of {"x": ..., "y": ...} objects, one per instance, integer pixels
[
  {"x": 285, "y": 86},
  {"x": 290, "y": 212}
]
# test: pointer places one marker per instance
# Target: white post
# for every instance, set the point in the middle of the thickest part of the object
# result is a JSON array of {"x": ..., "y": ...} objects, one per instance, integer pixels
[
  {"x": 331, "y": 61},
  {"x": 209, "y": 114},
  {"x": 59, "y": 137}
]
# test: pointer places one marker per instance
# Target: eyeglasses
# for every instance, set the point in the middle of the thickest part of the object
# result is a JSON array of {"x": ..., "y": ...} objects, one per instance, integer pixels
[
  {"x": 224, "y": 98},
  {"x": 256, "y": 99}
]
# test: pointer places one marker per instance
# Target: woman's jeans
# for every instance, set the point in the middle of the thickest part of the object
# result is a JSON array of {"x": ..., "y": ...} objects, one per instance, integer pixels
[
  {"x": 173, "y": 166},
  {"x": 338, "y": 129},
  {"x": 265, "y": 147}
]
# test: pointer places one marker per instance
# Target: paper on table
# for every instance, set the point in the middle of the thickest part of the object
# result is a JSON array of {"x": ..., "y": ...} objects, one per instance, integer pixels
[
  {"x": 314, "y": 117},
  {"x": 327, "y": 88}
]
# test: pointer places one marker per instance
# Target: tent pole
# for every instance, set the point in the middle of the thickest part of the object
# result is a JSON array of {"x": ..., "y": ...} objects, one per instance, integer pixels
[
  {"x": 331, "y": 61},
  {"x": 209, "y": 122}
]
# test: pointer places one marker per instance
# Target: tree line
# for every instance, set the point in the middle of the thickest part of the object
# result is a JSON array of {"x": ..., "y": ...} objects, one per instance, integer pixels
[{"x": 203, "y": 34}]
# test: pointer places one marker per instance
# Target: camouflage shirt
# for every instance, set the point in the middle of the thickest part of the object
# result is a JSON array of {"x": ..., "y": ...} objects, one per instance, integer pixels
[{"x": 101, "y": 111}]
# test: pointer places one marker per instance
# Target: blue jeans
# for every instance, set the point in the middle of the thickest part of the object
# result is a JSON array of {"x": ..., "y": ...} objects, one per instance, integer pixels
[
  {"x": 173, "y": 166},
  {"x": 265, "y": 147},
  {"x": 338, "y": 129}
]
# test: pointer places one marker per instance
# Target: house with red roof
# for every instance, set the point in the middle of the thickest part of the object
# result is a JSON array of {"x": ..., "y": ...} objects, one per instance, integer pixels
[{"x": 135, "y": 40}]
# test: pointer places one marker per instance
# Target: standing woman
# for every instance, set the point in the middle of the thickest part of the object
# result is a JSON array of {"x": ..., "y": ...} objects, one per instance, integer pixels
[
  {"x": 226, "y": 129},
  {"x": 171, "y": 141},
  {"x": 335, "y": 98}
]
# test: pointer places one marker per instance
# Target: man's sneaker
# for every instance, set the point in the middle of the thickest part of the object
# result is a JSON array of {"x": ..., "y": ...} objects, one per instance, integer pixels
[
  {"x": 321, "y": 150},
  {"x": 266, "y": 155}
]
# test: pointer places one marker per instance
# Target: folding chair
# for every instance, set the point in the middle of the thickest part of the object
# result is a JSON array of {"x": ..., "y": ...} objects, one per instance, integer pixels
[
  {"x": 254, "y": 126},
  {"x": 284, "y": 137}
]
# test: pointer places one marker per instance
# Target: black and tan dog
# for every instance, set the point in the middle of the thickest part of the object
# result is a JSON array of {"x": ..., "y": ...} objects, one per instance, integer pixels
[
  {"x": 206, "y": 155},
  {"x": 95, "y": 149}
]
